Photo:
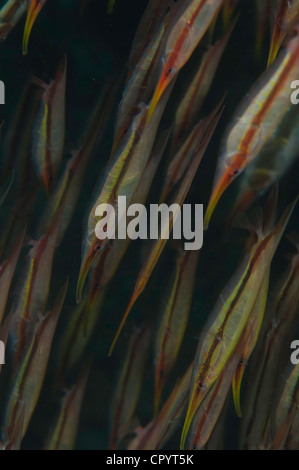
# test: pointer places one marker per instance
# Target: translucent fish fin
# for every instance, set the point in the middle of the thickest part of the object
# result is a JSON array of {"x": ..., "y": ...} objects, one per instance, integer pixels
[{"x": 252, "y": 222}]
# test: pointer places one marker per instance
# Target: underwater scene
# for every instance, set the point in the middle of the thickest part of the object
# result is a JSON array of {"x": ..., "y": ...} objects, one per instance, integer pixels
[{"x": 149, "y": 225}]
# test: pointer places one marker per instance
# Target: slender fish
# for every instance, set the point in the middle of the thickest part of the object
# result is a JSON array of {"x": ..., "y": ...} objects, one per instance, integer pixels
[
  {"x": 191, "y": 23},
  {"x": 231, "y": 313}
]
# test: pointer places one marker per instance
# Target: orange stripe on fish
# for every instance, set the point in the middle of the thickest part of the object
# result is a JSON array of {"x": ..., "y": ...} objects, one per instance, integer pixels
[
  {"x": 167, "y": 74},
  {"x": 34, "y": 9}
]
